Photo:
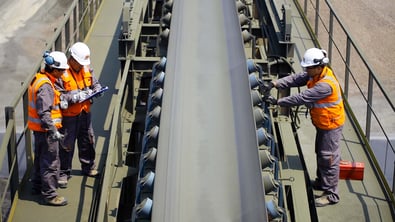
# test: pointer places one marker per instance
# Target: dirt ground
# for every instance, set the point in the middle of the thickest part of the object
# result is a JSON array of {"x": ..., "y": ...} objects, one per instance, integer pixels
[
  {"x": 372, "y": 26},
  {"x": 25, "y": 28}
]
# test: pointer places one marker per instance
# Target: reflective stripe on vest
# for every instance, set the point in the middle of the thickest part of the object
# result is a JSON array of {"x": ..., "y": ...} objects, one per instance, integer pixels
[
  {"x": 330, "y": 104},
  {"x": 328, "y": 113},
  {"x": 34, "y": 121},
  {"x": 73, "y": 82}
]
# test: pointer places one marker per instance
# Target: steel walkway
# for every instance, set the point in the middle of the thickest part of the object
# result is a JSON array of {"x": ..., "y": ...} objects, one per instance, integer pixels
[
  {"x": 360, "y": 200},
  {"x": 82, "y": 191}
]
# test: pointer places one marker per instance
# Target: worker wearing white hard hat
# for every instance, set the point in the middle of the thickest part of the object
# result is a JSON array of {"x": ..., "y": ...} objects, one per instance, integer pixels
[
  {"x": 314, "y": 57},
  {"x": 45, "y": 120},
  {"x": 324, "y": 99},
  {"x": 81, "y": 53},
  {"x": 56, "y": 59},
  {"x": 77, "y": 85}
]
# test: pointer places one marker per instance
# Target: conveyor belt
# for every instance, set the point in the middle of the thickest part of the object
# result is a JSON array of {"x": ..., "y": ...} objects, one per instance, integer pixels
[{"x": 207, "y": 165}]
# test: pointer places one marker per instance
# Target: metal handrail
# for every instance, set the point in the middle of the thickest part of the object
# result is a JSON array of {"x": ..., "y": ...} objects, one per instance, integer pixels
[
  {"x": 113, "y": 155},
  {"x": 335, "y": 45},
  {"x": 75, "y": 27}
]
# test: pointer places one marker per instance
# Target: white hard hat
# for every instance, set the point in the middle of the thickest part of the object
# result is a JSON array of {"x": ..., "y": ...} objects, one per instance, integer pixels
[
  {"x": 314, "y": 57},
  {"x": 56, "y": 59},
  {"x": 81, "y": 53}
]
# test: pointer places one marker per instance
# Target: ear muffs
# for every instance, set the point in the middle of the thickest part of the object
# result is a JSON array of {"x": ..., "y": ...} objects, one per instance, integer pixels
[{"x": 49, "y": 60}]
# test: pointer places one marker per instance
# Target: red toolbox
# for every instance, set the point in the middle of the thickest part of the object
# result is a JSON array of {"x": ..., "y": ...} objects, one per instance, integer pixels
[{"x": 351, "y": 170}]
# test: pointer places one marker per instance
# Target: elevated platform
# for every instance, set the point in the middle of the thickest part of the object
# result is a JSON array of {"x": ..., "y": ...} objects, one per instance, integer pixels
[
  {"x": 82, "y": 192},
  {"x": 360, "y": 200}
]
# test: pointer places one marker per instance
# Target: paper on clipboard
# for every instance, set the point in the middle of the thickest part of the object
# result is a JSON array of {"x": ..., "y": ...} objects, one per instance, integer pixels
[{"x": 96, "y": 93}]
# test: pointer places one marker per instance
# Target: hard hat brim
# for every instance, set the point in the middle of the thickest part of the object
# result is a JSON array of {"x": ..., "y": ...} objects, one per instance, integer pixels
[
  {"x": 305, "y": 65},
  {"x": 63, "y": 67},
  {"x": 82, "y": 62}
]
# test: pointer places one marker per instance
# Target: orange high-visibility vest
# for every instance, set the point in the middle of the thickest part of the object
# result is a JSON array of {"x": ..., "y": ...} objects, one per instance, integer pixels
[
  {"x": 34, "y": 122},
  {"x": 328, "y": 113},
  {"x": 73, "y": 82}
]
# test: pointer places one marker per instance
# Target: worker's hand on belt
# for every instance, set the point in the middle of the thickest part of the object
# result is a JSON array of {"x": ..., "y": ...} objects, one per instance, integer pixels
[{"x": 266, "y": 87}]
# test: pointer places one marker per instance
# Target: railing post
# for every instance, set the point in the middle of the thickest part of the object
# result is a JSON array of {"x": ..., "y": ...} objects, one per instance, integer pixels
[
  {"x": 28, "y": 137},
  {"x": 12, "y": 153},
  {"x": 305, "y": 7},
  {"x": 369, "y": 107},
  {"x": 317, "y": 13},
  {"x": 330, "y": 40},
  {"x": 67, "y": 33},
  {"x": 119, "y": 135},
  {"x": 347, "y": 67},
  {"x": 393, "y": 181},
  {"x": 59, "y": 42},
  {"x": 75, "y": 22}
]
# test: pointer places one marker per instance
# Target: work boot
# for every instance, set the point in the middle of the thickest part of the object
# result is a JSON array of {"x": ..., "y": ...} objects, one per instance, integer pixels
[
  {"x": 323, "y": 201},
  {"x": 56, "y": 201},
  {"x": 91, "y": 173},
  {"x": 62, "y": 184}
]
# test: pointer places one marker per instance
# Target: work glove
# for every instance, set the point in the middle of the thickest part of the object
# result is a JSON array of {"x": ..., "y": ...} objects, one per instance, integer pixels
[
  {"x": 271, "y": 100},
  {"x": 63, "y": 103},
  {"x": 56, "y": 136},
  {"x": 75, "y": 97},
  {"x": 266, "y": 87},
  {"x": 89, "y": 92},
  {"x": 84, "y": 94},
  {"x": 80, "y": 96}
]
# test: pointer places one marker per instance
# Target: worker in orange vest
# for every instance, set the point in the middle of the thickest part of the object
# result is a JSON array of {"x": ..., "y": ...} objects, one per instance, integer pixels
[
  {"x": 324, "y": 99},
  {"x": 76, "y": 86},
  {"x": 45, "y": 120}
]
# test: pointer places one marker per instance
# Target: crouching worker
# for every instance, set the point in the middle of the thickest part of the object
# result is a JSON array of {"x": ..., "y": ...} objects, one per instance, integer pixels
[{"x": 44, "y": 120}]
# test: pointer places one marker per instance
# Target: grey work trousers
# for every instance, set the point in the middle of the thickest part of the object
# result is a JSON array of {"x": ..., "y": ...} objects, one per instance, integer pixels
[
  {"x": 77, "y": 128},
  {"x": 327, "y": 148},
  {"x": 46, "y": 165}
]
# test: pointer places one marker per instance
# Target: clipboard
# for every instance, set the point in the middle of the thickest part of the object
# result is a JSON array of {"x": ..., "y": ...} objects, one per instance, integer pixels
[{"x": 102, "y": 90}]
